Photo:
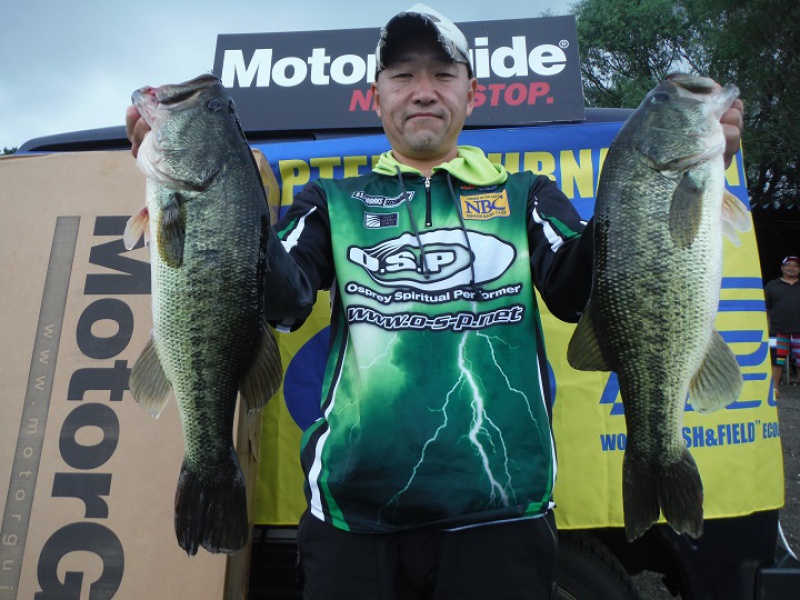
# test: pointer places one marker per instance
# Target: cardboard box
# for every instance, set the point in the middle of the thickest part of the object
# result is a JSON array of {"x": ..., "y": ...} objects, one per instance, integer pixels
[{"x": 90, "y": 475}]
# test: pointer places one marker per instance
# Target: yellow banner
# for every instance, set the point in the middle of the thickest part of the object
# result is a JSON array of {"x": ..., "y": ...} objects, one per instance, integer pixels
[{"x": 737, "y": 449}]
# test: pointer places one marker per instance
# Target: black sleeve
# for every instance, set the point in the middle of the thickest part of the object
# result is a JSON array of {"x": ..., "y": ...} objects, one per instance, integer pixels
[
  {"x": 300, "y": 260},
  {"x": 767, "y": 295},
  {"x": 561, "y": 246}
]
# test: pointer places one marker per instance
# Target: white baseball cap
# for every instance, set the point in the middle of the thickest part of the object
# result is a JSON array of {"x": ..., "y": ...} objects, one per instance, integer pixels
[{"x": 418, "y": 18}]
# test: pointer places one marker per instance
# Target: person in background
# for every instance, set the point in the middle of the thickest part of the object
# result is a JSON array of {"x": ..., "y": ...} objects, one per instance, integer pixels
[
  {"x": 430, "y": 474},
  {"x": 782, "y": 298}
]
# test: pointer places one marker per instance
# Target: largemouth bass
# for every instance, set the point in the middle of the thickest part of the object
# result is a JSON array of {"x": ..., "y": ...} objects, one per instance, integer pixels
[
  {"x": 660, "y": 215},
  {"x": 207, "y": 223}
]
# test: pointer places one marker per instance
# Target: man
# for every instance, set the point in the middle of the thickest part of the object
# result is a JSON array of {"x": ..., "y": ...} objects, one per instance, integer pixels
[
  {"x": 431, "y": 473},
  {"x": 782, "y": 297}
]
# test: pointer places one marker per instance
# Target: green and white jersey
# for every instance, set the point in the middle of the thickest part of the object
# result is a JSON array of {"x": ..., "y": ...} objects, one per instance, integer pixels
[{"x": 435, "y": 396}]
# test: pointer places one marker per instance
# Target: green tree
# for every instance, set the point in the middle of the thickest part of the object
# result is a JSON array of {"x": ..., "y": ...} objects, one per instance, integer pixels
[
  {"x": 8, "y": 151},
  {"x": 627, "y": 47}
]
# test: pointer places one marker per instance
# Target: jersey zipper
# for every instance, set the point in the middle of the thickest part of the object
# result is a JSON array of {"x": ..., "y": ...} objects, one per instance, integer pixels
[{"x": 428, "y": 221}]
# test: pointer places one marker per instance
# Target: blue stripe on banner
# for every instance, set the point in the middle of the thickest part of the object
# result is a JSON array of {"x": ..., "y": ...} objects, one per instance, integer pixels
[
  {"x": 744, "y": 404},
  {"x": 742, "y": 335},
  {"x": 754, "y": 283},
  {"x": 754, "y": 376},
  {"x": 741, "y": 306}
]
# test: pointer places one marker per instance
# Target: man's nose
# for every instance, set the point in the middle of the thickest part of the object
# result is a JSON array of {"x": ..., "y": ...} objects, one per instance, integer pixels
[{"x": 425, "y": 89}]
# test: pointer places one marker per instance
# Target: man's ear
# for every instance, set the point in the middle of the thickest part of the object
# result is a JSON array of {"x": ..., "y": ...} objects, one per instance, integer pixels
[
  {"x": 473, "y": 89},
  {"x": 376, "y": 98}
]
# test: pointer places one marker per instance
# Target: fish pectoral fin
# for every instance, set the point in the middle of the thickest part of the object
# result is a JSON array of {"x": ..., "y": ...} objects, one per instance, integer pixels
[
  {"x": 584, "y": 352},
  {"x": 718, "y": 382},
  {"x": 264, "y": 377},
  {"x": 148, "y": 382},
  {"x": 172, "y": 232},
  {"x": 735, "y": 217},
  {"x": 137, "y": 226},
  {"x": 685, "y": 212}
]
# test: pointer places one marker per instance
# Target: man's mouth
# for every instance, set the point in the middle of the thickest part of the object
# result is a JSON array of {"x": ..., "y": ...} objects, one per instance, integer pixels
[{"x": 423, "y": 115}]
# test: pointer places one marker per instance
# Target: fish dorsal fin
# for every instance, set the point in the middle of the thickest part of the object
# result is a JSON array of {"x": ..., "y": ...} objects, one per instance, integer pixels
[
  {"x": 171, "y": 232},
  {"x": 263, "y": 378},
  {"x": 685, "y": 212},
  {"x": 718, "y": 382},
  {"x": 584, "y": 352},
  {"x": 136, "y": 227},
  {"x": 735, "y": 217},
  {"x": 148, "y": 382}
]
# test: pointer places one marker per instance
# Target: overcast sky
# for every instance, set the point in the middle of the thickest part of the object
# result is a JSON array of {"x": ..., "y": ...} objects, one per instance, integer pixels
[{"x": 72, "y": 65}]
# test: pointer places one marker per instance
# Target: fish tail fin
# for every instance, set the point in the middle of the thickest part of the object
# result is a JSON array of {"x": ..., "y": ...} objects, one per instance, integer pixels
[
  {"x": 680, "y": 492},
  {"x": 212, "y": 514},
  {"x": 264, "y": 376},
  {"x": 639, "y": 496},
  {"x": 676, "y": 488},
  {"x": 718, "y": 382},
  {"x": 735, "y": 217}
]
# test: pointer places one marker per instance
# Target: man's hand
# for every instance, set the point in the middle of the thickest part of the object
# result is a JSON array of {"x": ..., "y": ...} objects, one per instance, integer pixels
[
  {"x": 136, "y": 127},
  {"x": 732, "y": 125}
]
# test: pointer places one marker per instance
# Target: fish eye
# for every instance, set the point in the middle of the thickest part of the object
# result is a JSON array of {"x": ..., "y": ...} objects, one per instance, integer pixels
[
  {"x": 214, "y": 105},
  {"x": 659, "y": 98}
]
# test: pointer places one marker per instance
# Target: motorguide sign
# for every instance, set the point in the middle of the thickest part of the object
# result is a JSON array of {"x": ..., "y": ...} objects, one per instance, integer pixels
[{"x": 528, "y": 71}]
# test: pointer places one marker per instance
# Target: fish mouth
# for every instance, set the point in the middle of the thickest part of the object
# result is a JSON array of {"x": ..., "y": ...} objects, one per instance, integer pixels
[
  {"x": 147, "y": 99},
  {"x": 724, "y": 99},
  {"x": 719, "y": 97},
  {"x": 693, "y": 83}
]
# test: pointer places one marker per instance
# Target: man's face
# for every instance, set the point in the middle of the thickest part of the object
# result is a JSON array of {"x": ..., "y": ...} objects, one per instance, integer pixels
[
  {"x": 790, "y": 268},
  {"x": 423, "y": 99}
]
